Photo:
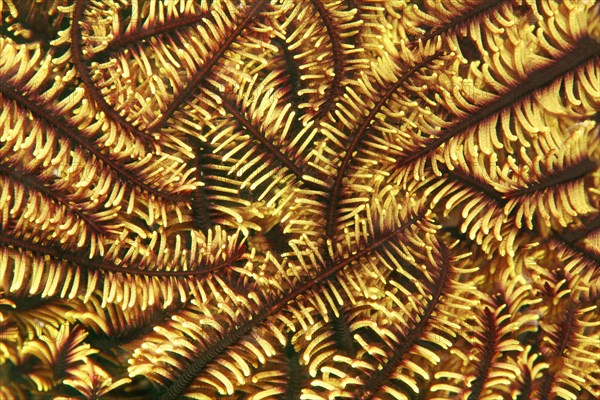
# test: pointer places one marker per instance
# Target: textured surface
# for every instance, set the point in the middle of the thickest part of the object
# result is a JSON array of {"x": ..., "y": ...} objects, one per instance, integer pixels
[{"x": 299, "y": 199}]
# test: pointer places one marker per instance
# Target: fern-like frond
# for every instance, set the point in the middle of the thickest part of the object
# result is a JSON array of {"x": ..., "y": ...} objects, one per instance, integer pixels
[
  {"x": 572, "y": 353},
  {"x": 92, "y": 382},
  {"x": 127, "y": 274},
  {"x": 493, "y": 334}
]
